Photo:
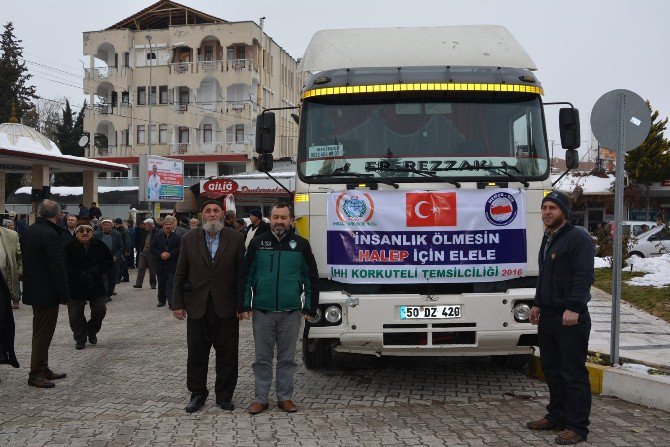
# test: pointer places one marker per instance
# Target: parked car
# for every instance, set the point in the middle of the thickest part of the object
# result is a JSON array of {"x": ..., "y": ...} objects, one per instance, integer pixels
[
  {"x": 655, "y": 242},
  {"x": 637, "y": 226}
]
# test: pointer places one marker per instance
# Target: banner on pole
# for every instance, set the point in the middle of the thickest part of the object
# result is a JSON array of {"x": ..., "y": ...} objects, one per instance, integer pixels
[{"x": 426, "y": 236}]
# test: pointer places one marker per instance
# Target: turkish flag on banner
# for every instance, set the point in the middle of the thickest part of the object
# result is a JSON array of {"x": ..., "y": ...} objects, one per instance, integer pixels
[{"x": 431, "y": 209}]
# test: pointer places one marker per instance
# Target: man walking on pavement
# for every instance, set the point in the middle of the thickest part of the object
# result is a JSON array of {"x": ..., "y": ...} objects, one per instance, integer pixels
[
  {"x": 205, "y": 290},
  {"x": 45, "y": 286},
  {"x": 114, "y": 242},
  {"x": 145, "y": 260},
  {"x": 278, "y": 268},
  {"x": 125, "y": 236},
  {"x": 566, "y": 261},
  {"x": 165, "y": 250},
  {"x": 88, "y": 259}
]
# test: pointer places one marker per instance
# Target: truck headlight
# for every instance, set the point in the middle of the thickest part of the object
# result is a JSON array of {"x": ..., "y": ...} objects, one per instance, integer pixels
[
  {"x": 521, "y": 312},
  {"x": 333, "y": 314},
  {"x": 315, "y": 319}
]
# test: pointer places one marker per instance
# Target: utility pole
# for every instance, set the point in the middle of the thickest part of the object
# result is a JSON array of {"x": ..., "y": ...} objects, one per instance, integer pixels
[{"x": 150, "y": 61}]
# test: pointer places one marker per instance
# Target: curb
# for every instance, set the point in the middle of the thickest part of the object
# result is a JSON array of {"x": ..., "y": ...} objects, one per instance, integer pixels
[{"x": 631, "y": 386}]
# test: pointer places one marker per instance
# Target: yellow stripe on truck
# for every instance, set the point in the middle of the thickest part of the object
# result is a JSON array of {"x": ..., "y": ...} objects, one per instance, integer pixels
[{"x": 451, "y": 86}]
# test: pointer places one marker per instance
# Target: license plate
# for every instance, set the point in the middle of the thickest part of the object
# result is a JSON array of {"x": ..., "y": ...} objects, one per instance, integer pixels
[{"x": 431, "y": 312}]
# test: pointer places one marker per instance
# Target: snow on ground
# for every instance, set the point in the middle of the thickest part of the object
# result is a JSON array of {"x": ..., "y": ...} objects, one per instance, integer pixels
[{"x": 657, "y": 270}]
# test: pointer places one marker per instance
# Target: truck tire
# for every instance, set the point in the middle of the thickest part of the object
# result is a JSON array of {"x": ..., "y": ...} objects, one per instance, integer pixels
[
  {"x": 513, "y": 361},
  {"x": 316, "y": 352}
]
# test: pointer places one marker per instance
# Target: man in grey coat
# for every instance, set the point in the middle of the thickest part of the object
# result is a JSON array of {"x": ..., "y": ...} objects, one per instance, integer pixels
[{"x": 114, "y": 242}]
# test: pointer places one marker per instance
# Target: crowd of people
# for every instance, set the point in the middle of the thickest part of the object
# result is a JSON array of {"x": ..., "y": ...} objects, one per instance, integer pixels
[{"x": 206, "y": 273}]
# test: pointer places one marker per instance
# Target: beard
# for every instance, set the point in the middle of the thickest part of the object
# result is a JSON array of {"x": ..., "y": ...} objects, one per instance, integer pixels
[
  {"x": 213, "y": 226},
  {"x": 279, "y": 230}
]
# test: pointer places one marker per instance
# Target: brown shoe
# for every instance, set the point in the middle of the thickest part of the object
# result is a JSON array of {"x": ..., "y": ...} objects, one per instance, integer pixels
[
  {"x": 40, "y": 382},
  {"x": 568, "y": 437},
  {"x": 50, "y": 375},
  {"x": 544, "y": 424},
  {"x": 257, "y": 408},
  {"x": 287, "y": 406}
]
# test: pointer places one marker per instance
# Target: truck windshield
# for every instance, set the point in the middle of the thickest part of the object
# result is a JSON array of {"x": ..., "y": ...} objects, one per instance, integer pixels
[{"x": 407, "y": 139}]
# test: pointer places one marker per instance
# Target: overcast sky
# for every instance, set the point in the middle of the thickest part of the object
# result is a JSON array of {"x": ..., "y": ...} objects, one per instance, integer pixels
[{"x": 582, "y": 48}]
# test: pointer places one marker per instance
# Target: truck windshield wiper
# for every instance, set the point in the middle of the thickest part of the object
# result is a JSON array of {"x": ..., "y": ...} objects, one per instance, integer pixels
[
  {"x": 367, "y": 178},
  {"x": 503, "y": 169},
  {"x": 423, "y": 172}
]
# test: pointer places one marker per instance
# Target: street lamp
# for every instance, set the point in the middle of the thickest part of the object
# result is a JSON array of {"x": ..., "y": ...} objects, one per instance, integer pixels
[{"x": 149, "y": 59}]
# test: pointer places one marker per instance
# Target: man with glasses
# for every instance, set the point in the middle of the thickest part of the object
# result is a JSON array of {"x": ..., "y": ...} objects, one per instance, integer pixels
[{"x": 88, "y": 260}]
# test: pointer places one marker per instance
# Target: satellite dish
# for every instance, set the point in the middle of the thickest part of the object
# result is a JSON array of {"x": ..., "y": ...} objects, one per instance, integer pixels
[{"x": 83, "y": 141}]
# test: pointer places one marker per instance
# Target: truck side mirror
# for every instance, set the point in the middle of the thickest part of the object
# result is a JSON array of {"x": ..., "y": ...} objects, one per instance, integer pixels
[
  {"x": 264, "y": 162},
  {"x": 572, "y": 159},
  {"x": 265, "y": 133},
  {"x": 568, "y": 120}
]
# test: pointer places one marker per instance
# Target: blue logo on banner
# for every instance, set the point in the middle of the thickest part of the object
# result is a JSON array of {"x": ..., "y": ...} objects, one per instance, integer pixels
[{"x": 501, "y": 209}]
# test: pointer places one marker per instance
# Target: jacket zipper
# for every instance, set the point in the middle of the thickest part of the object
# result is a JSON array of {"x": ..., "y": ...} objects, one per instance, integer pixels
[
  {"x": 272, "y": 261},
  {"x": 277, "y": 283}
]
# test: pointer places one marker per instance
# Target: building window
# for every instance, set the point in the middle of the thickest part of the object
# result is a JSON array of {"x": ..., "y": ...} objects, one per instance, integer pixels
[
  {"x": 126, "y": 59},
  {"x": 209, "y": 53},
  {"x": 183, "y": 134},
  {"x": 163, "y": 94},
  {"x": 239, "y": 133},
  {"x": 152, "y": 95},
  {"x": 153, "y": 134},
  {"x": 206, "y": 133},
  {"x": 125, "y": 98},
  {"x": 194, "y": 169},
  {"x": 141, "y": 134},
  {"x": 230, "y": 168},
  {"x": 162, "y": 134},
  {"x": 141, "y": 96}
]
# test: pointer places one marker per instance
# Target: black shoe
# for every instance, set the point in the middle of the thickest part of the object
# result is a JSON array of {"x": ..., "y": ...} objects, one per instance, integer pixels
[
  {"x": 226, "y": 405},
  {"x": 195, "y": 404},
  {"x": 80, "y": 345},
  {"x": 92, "y": 339},
  {"x": 113, "y": 293},
  {"x": 153, "y": 287},
  {"x": 108, "y": 299},
  {"x": 160, "y": 304},
  {"x": 125, "y": 280},
  {"x": 135, "y": 286}
]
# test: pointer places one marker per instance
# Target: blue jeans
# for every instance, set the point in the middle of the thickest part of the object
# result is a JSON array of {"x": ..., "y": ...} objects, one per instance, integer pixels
[{"x": 270, "y": 329}]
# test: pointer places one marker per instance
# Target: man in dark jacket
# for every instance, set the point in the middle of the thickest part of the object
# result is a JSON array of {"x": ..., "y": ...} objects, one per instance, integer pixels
[
  {"x": 114, "y": 243},
  {"x": 257, "y": 227},
  {"x": 125, "y": 236},
  {"x": 94, "y": 212},
  {"x": 165, "y": 250},
  {"x": 205, "y": 291},
  {"x": 132, "y": 230},
  {"x": 68, "y": 234},
  {"x": 88, "y": 260},
  {"x": 278, "y": 268},
  {"x": 45, "y": 286},
  {"x": 145, "y": 259},
  {"x": 560, "y": 308},
  {"x": 7, "y": 327}
]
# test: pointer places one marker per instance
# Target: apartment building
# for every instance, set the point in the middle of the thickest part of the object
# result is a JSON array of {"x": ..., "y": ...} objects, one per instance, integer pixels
[{"x": 189, "y": 83}]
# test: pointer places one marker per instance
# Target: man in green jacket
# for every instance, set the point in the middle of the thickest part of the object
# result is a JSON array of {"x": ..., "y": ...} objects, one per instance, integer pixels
[{"x": 278, "y": 283}]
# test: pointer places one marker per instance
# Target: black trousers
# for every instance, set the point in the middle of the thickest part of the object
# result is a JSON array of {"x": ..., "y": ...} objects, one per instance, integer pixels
[
  {"x": 80, "y": 327},
  {"x": 44, "y": 326},
  {"x": 563, "y": 351},
  {"x": 165, "y": 283},
  {"x": 201, "y": 334}
]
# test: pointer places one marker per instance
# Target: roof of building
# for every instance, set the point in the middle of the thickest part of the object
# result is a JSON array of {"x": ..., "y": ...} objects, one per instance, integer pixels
[
  {"x": 22, "y": 146},
  {"x": 466, "y": 46},
  {"x": 163, "y": 14}
]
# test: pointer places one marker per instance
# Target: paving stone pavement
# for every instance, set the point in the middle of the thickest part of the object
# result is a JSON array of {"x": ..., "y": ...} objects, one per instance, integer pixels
[{"x": 130, "y": 390}]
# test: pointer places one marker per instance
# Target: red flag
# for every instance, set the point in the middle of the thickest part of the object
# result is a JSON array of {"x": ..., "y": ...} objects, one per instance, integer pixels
[{"x": 431, "y": 209}]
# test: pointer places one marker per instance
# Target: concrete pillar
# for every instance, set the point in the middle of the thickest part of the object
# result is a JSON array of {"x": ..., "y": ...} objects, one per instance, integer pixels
[
  {"x": 2, "y": 192},
  {"x": 90, "y": 188},
  {"x": 40, "y": 180}
]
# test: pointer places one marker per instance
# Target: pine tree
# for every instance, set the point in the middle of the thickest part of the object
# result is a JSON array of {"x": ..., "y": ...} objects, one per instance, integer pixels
[
  {"x": 68, "y": 133},
  {"x": 14, "y": 77},
  {"x": 650, "y": 162}
]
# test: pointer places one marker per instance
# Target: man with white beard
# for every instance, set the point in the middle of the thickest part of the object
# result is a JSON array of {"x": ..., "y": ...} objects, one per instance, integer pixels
[{"x": 205, "y": 287}]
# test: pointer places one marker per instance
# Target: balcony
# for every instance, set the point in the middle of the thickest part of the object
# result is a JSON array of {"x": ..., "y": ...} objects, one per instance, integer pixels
[
  {"x": 241, "y": 65},
  {"x": 181, "y": 67},
  {"x": 239, "y": 107},
  {"x": 180, "y": 148},
  {"x": 180, "y": 107},
  {"x": 110, "y": 151},
  {"x": 210, "y": 66},
  {"x": 209, "y": 106},
  {"x": 105, "y": 72}
]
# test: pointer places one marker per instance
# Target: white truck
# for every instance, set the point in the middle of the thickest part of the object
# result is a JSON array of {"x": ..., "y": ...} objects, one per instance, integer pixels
[{"x": 422, "y": 163}]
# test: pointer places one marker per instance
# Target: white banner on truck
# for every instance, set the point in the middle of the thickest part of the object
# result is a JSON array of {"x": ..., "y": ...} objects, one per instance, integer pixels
[{"x": 426, "y": 236}]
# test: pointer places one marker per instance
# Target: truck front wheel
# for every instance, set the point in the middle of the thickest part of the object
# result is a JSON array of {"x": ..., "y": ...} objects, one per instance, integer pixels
[{"x": 316, "y": 352}]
